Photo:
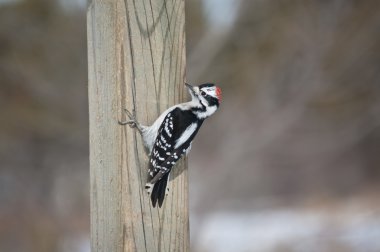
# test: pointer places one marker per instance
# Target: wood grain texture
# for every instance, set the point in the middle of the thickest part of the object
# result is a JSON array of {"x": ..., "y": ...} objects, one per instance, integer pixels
[{"x": 136, "y": 53}]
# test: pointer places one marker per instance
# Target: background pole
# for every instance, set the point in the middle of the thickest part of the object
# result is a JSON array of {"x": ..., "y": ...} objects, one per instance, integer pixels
[{"x": 136, "y": 60}]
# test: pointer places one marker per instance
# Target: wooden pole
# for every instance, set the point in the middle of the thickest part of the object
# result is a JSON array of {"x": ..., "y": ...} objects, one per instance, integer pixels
[{"x": 136, "y": 54}]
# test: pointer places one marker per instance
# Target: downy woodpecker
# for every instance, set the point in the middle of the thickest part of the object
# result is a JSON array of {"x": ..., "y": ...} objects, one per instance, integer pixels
[{"x": 171, "y": 135}]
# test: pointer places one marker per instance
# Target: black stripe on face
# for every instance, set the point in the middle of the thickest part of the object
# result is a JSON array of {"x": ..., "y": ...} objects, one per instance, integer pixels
[
  {"x": 212, "y": 101},
  {"x": 201, "y": 109}
]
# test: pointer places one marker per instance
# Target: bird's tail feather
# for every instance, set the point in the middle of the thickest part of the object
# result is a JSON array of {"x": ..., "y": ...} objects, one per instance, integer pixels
[{"x": 159, "y": 190}]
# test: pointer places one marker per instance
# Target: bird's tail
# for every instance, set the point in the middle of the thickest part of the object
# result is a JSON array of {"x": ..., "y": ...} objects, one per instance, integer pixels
[{"x": 159, "y": 190}]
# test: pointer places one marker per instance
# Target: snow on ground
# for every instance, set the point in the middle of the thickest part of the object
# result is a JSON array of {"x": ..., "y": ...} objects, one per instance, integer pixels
[{"x": 290, "y": 230}]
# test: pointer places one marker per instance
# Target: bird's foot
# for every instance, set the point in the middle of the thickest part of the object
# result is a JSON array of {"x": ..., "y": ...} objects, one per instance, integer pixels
[{"x": 132, "y": 122}]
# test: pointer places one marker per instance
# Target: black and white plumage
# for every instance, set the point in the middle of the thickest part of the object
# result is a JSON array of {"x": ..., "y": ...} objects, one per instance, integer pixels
[{"x": 171, "y": 135}]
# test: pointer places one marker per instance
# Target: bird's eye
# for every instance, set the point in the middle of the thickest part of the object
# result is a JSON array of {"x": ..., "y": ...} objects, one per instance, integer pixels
[{"x": 203, "y": 93}]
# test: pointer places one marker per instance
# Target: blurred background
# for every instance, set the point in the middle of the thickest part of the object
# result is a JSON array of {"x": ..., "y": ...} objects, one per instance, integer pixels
[{"x": 293, "y": 154}]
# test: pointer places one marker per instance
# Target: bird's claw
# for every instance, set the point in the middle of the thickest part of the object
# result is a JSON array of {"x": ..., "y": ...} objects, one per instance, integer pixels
[
  {"x": 131, "y": 123},
  {"x": 129, "y": 114},
  {"x": 132, "y": 119}
]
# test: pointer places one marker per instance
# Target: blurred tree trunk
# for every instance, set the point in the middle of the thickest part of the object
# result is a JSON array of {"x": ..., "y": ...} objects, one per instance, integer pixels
[{"x": 136, "y": 53}]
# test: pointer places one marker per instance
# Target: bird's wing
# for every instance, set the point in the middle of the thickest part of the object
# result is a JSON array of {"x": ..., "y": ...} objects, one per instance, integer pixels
[
  {"x": 166, "y": 152},
  {"x": 173, "y": 140}
]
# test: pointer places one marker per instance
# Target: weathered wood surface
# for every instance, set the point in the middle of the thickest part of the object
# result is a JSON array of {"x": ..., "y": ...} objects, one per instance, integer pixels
[{"x": 136, "y": 53}]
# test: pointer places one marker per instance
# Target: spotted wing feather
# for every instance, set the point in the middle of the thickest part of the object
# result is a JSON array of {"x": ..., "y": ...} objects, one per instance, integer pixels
[{"x": 162, "y": 149}]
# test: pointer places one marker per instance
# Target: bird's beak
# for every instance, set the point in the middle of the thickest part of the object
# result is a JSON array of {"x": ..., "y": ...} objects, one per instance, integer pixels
[{"x": 190, "y": 87}]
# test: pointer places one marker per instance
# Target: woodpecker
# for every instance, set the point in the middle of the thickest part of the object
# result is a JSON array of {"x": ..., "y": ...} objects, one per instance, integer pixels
[{"x": 171, "y": 135}]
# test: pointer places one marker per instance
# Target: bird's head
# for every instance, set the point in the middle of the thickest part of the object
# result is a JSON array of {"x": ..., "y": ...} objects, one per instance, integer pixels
[{"x": 207, "y": 95}]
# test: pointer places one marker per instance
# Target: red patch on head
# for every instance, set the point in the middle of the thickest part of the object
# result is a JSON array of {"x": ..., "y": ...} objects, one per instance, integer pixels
[{"x": 218, "y": 92}]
